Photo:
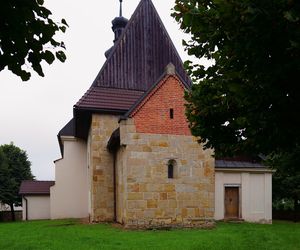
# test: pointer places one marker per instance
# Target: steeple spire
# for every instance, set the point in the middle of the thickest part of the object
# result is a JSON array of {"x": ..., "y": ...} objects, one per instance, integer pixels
[
  {"x": 120, "y": 8},
  {"x": 118, "y": 25}
]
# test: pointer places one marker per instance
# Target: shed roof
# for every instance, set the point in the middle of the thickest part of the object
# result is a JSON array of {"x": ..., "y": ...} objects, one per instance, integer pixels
[
  {"x": 238, "y": 164},
  {"x": 36, "y": 187}
]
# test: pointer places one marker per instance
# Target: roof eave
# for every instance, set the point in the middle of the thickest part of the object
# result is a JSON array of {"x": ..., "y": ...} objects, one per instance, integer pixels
[{"x": 238, "y": 170}]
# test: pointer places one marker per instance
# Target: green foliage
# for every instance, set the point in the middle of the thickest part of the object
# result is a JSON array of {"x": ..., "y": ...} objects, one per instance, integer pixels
[
  {"x": 283, "y": 204},
  {"x": 27, "y": 37},
  {"x": 14, "y": 168},
  {"x": 286, "y": 179},
  {"x": 248, "y": 101}
]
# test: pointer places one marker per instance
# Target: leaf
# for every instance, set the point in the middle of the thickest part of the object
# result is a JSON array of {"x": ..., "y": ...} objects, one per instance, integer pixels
[
  {"x": 60, "y": 55},
  {"x": 37, "y": 67},
  {"x": 40, "y": 2},
  {"x": 63, "y": 21},
  {"x": 63, "y": 28},
  {"x": 290, "y": 16},
  {"x": 187, "y": 19},
  {"x": 25, "y": 76},
  {"x": 49, "y": 57}
]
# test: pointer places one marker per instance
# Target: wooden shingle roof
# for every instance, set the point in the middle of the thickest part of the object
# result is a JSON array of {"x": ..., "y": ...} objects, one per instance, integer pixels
[{"x": 136, "y": 61}]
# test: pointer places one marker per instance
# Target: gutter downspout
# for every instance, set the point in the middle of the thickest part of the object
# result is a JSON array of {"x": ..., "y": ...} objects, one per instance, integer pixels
[
  {"x": 115, "y": 187},
  {"x": 26, "y": 207}
]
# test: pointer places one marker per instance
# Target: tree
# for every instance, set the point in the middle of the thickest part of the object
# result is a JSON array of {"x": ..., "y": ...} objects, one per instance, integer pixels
[
  {"x": 248, "y": 101},
  {"x": 27, "y": 37},
  {"x": 14, "y": 168},
  {"x": 286, "y": 179}
]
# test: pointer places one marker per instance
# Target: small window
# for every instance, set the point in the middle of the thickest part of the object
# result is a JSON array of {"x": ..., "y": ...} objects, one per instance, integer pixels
[
  {"x": 171, "y": 113},
  {"x": 172, "y": 169}
]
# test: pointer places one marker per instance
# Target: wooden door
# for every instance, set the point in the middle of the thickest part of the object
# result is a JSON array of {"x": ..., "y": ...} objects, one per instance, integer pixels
[{"x": 231, "y": 202}]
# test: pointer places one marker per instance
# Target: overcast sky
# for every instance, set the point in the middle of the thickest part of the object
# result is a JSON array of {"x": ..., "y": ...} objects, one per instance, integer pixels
[{"x": 33, "y": 112}]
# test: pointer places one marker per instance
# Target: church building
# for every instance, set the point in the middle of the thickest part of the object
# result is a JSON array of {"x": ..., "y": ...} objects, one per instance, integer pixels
[{"x": 128, "y": 155}]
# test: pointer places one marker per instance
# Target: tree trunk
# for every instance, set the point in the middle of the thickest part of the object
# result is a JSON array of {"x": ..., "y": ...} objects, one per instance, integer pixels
[{"x": 12, "y": 211}]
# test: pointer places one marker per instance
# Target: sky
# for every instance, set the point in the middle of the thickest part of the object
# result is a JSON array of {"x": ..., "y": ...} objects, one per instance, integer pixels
[{"x": 33, "y": 112}]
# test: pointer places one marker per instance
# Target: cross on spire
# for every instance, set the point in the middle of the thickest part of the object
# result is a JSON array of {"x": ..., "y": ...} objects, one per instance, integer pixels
[{"x": 121, "y": 7}]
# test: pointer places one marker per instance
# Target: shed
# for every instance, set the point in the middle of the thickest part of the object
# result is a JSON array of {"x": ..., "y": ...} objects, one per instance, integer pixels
[
  {"x": 36, "y": 199},
  {"x": 243, "y": 191}
]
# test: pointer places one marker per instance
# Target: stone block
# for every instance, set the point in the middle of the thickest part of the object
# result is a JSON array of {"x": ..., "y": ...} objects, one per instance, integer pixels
[
  {"x": 172, "y": 204},
  {"x": 136, "y": 162},
  {"x": 149, "y": 214},
  {"x": 184, "y": 212},
  {"x": 171, "y": 195},
  {"x": 151, "y": 203},
  {"x": 143, "y": 187},
  {"x": 162, "y": 204},
  {"x": 163, "y": 144},
  {"x": 148, "y": 196},
  {"x": 163, "y": 196},
  {"x": 147, "y": 149},
  {"x": 169, "y": 187},
  {"x": 131, "y": 179},
  {"x": 133, "y": 187},
  {"x": 159, "y": 213},
  {"x": 135, "y": 196},
  {"x": 136, "y": 204}
]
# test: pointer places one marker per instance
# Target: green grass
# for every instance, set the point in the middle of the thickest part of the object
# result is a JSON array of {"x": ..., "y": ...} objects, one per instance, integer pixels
[{"x": 70, "y": 234}]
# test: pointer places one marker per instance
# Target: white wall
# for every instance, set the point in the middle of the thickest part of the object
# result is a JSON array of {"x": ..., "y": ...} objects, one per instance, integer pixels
[
  {"x": 255, "y": 189},
  {"x": 38, "y": 207},
  {"x": 69, "y": 195}
]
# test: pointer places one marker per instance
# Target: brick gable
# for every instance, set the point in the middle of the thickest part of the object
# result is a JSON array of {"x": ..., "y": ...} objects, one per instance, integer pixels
[{"x": 153, "y": 114}]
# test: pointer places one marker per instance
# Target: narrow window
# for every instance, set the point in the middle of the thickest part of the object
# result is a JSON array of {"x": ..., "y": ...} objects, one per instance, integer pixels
[
  {"x": 171, "y": 113},
  {"x": 170, "y": 171}
]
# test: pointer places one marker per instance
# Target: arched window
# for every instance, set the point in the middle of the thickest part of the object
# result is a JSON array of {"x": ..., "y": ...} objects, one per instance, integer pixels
[{"x": 171, "y": 169}]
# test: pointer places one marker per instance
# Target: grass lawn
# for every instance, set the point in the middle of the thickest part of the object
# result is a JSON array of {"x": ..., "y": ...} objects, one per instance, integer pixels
[{"x": 70, "y": 234}]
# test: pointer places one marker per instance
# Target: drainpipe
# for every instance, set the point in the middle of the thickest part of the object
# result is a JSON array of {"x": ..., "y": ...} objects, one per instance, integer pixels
[
  {"x": 26, "y": 207},
  {"x": 115, "y": 187}
]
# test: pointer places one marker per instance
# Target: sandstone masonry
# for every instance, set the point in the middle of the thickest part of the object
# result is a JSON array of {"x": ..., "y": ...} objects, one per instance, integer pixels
[{"x": 145, "y": 195}]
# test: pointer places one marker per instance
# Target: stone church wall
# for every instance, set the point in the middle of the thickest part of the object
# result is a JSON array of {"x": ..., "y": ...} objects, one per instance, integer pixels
[
  {"x": 151, "y": 198},
  {"x": 101, "y": 164}
]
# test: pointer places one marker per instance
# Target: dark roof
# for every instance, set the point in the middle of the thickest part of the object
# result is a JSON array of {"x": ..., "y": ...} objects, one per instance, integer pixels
[
  {"x": 36, "y": 187},
  {"x": 136, "y": 61},
  {"x": 237, "y": 164},
  {"x": 109, "y": 99},
  {"x": 68, "y": 129}
]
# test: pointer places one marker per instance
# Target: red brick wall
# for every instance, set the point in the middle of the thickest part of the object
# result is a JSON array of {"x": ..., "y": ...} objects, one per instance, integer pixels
[{"x": 153, "y": 114}]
